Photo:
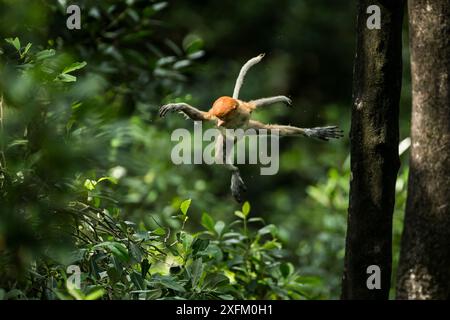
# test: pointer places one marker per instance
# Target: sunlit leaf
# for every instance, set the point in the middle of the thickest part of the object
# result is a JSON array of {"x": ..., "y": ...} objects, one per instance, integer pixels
[
  {"x": 74, "y": 66},
  {"x": 108, "y": 178},
  {"x": 239, "y": 214},
  {"x": 14, "y": 42},
  {"x": 66, "y": 78},
  {"x": 185, "y": 206},
  {"x": 96, "y": 294},
  {"x": 25, "y": 50},
  {"x": 246, "y": 208},
  {"x": 159, "y": 231},
  {"x": 90, "y": 184},
  {"x": 45, "y": 54}
]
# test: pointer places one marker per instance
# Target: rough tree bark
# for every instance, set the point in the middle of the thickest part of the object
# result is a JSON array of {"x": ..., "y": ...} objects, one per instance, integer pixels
[
  {"x": 424, "y": 268},
  {"x": 374, "y": 149}
]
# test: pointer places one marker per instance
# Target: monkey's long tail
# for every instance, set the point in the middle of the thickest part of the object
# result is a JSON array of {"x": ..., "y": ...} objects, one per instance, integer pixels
[{"x": 325, "y": 133}]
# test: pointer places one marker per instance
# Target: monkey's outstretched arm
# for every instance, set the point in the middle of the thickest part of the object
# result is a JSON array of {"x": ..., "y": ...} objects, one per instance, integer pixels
[
  {"x": 240, "y": 79},
  {"x": 270, "y": 100},
  {"x": 322, "y": 133},
  {"x": 188, "y": 110}
]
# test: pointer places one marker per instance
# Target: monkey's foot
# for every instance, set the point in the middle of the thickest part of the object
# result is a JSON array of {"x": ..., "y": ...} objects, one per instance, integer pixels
[
  {"x": 325, "y": 133},
  {"x": 171, "y": 107},
  {"x": 237, "y": 186}
]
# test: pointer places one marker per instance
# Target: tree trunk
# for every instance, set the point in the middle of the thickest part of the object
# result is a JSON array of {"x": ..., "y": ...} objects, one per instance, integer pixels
[
  {"x": 374, "y": 149},
  {"x": 424, "y": 268}
]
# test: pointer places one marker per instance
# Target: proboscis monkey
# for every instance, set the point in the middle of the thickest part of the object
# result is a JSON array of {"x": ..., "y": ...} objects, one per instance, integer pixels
[{"x": 232, "y": 113}]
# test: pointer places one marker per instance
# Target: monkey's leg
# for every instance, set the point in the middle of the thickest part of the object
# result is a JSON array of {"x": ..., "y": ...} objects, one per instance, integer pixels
[
  {"x": 237, "y": 185},
  {"x": 240, "y": 79},
  {"x": 322, "y": 133},
  {"x": 270, "y": 100},
  {"x": 188, "y": 110}
]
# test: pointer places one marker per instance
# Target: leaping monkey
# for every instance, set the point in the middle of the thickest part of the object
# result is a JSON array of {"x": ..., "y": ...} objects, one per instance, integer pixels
[{"x": 232, "y": 113}]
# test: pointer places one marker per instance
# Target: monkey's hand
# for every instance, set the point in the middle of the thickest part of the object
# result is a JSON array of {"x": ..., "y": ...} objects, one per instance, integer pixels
[
  {"x": 325, "y": 133},
  {"x": 171, "y": 107},
  {"x": 237, "y": 186},
  {"x": 189, "y": 111},
  {"x": 286, "y": 100}
]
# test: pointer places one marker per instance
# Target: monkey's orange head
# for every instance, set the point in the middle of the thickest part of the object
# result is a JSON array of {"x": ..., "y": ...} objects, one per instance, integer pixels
[{"x": 223, "y": 107}]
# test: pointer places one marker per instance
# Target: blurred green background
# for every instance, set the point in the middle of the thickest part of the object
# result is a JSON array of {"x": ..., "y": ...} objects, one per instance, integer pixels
[{"x": 58, "y": 131}]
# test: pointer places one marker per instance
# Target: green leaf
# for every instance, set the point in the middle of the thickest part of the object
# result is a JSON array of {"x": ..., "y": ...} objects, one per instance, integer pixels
[
  {"x": 192, "y": 43},
  {"x": 160, "y": 5},
  {"x": 187, "y": 241},
  {"x": 239, "y": 214},
  {"x": 230, "y": 275},
  {"x": 14, "y": 42},
  {"x": 66, "y": 78},
  {"x": 246, "y": 208},
  {"x": 199, "y": 245},
  {"x": 270, "y": 228},
  {"x": 185, "y": 206},
  {"x": 137, "y": 280},
  {"x": 196, "y": 271},
  {"x": 181, "y": 64},
  {"x": 151, "y": 294},
  {"x": 256, "y": 220},
  {"x": 136, "y": 252},
  {"x": 90, "y": 184},
  {"x": 120, "y": 251},
  {"x": 286, "y": 269},
  {"x": 44, "y": 54},
  {"x": 208, "y": 222},
  {"x": 117, "y": 249},
  {"x": 74, "y": 66},
  {"x": 96, "y": 294},
  {"x": 159, "y": 231},
  {"x": 76, "y": 105},
  {"x": 215, "y": 280},
  {"x": 25, "y": 50},
  {"x": 168, "y": 282},
  {"x": 76, "y": 293},
  {"x": 19, "y": 142},
  {"x": 110, "y": 179},
  {"x": 220, "y": 225},
  {"x": 196, "y": 55},
  {"x": 273, "y": 244}
]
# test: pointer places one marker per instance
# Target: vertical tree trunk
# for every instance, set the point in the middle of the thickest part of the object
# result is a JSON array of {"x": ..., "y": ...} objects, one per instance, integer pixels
[
  {"x": 374, "y": 149},
  {"x": 424, "y": 269}
]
